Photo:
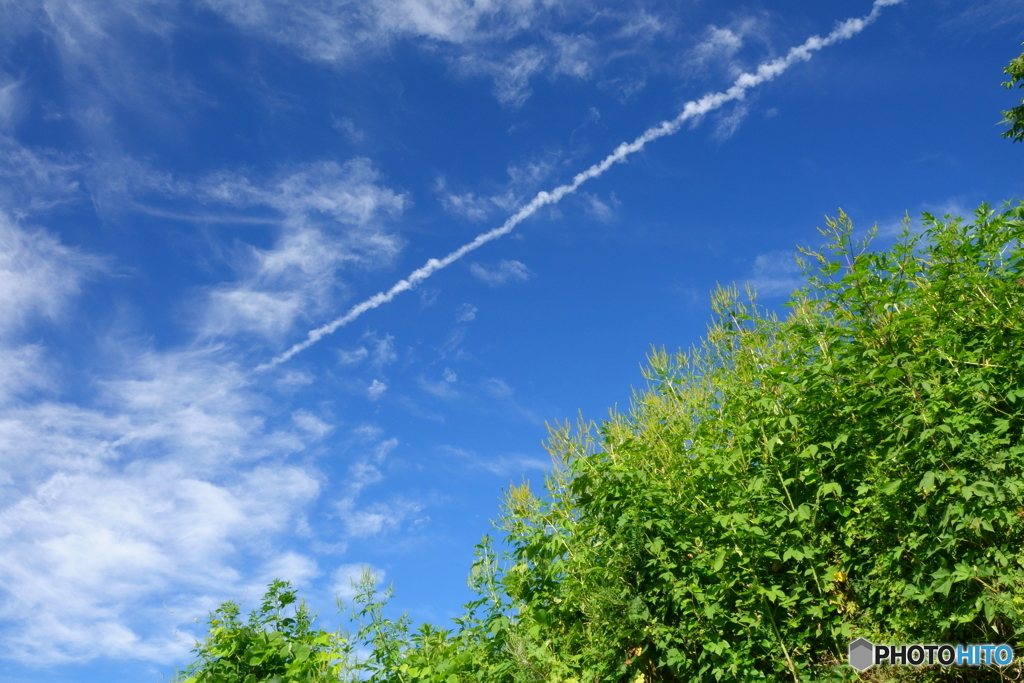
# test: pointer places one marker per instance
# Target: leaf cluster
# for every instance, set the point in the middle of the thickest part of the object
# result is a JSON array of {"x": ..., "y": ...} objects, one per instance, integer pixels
[{"x": 277, "y": 644}]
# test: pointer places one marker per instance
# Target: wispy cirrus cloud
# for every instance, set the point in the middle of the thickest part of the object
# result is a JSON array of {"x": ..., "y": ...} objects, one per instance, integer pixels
[
  {"x": 362, "y": 519},
  {"x": 332, "y": 216},
  {"x": 347, "y": 192},
  {"x": 38, "y": 274},
  {"x": 477, "y": 38},
  {"x": 502, "y": 273},
  {"x": 468, "y": 205},
  {"x": 113, "y": 57},
  {"x": 728, "y": 124},
  {"x": 34, "y": 181},
  {"x": 988, "y": 13},
  {"x": 511, "y": 74},
  {"x": 337, "y": 32},
  {"x": 39, "y": 279},
  {"x": 9, "y": 101},
  {"x": 500, "y": 465},
  {"x": 94, "y": 37},
  {"x": 379, "y": 351},
  {"x": 523, "y": 179},
  {"x": 600, "y": 209},
  {"x": 717, "y": 44},
  {"x": 466, "y": 313}
]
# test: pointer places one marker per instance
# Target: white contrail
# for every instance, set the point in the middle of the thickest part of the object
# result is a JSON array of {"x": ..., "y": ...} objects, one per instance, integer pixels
[{"x": 765, "y": 72}]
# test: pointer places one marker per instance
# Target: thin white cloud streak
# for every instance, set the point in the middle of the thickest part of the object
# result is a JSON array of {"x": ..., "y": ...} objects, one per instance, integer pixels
[{"x": 693, "y": 109}]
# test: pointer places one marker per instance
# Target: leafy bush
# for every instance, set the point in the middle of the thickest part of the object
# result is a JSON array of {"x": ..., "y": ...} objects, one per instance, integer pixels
[{"x": 854, "y": 469}]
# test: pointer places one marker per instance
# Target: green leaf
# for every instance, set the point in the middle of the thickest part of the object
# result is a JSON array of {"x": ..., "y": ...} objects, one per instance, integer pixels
[
  {"x": 831, "y": 487},
  {"x": 719, "y": 561},
  {"x": 891, "y": 486}
]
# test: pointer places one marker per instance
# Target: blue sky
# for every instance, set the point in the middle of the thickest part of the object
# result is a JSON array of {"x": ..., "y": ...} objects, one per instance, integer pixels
[{"x": 188, "y": 188}]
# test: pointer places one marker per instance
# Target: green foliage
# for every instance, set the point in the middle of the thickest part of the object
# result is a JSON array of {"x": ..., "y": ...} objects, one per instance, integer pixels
[
  {"x": 275, "y": 645},
  {"x": 1015, "y": 117},
  {"x": 854, "y": 469}
]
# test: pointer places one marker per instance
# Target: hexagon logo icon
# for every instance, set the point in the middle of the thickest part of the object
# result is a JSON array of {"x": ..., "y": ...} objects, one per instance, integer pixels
[{"x": 862, "y": 654}]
